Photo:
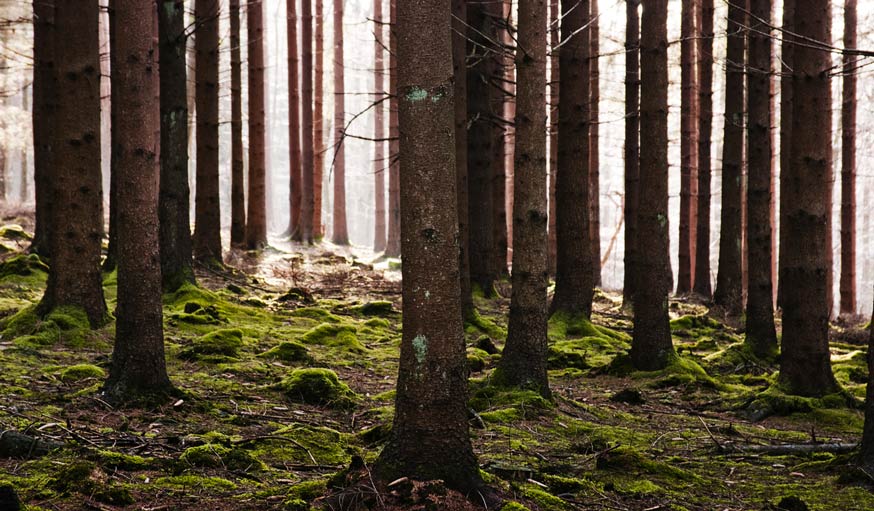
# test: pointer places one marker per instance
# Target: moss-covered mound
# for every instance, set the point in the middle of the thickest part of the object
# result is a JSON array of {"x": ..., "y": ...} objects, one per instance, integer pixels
[
  {"x": 219, "y": 456},
  {"x": 377, "y": 308},
  {"x": 215, "y": 346},
  {"x": 81, "y": 372},
  {"x": 67, "y": 325},
  {"x": 318, "y": 387},
  {"x": 340, "y": 336},
  {"x": 288, "y": 351},
  {"x": 22, "y": 266},
  {"x": 14, "y": 232}
]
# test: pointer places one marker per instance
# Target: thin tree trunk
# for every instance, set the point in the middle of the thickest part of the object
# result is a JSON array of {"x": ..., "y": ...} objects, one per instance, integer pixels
[
  {"x": 787, "y": 58},
  {"x": 24, "y": 191},
  {"x": 2, "y": 145},
  {"x": 702, "y": 282},
  {"x": 459, "y": 73},
  {"x": 207, "y": 210},
  {"x": 138, "y": 367},
  {"x": 688, "y": 147},
  {"x": 430, "y": 438},
  {"x": 256, "y": 226},
  {"x": 761, "y": 334},
  {"x": 294, "y": 131},
  {"x": 380, "y": 162},
  {"x": 729, "y": 279},
  {"x": 651, "y": 346},
  {"x": 44, "y": 107},
  {"x": 848, "y": 165},
  {"x": 866, "y": 450},
  {"x": 554, "y": 40},
  {"x": 174, "y": 209},
  {"x": 574, "y": 278},
  {"x": 111, "y": 261},
  {"x": 595, "y": 144},
  {"x": 340, "y": 232},
  {"x": 632, "y": 147},
  {"x": 319, "y": 119},
  {"x": 306, "y": 101},
  {"x": 805, "y": 366},
  {"x": 238, "y": 177},
  {"x": 75, "y": 184},
  {"x": 393, "y": 242},
  {"x": 499, "y": 162},
  {"x": 509, "y": 81}
]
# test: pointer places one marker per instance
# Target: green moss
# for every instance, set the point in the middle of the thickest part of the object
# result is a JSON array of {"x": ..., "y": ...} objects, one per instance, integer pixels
[
  {"x": 81, "y": 372},
  {"x": 23, "y": 266},
  {"x": 775, "y": 401},
  {"x": 189, "y": 481},
  {"x": 73, "y": 477},
  {"x": 295, "y": 505},
  {"x": 305, "y": 445},
  {"x": 561, "y": 485},
  {"x": 627, "y": 460},
  {"x": 527, "y": 403},
  {"x": 14, "y": 232},
  {"x": 378, "y": 323},
  {"x": 680, "y": 371},
  {"x": 545, "y": 501},
  {"x": 318, "y": 387},
  {"x": 638, "y": 487},
  {"x": 218, "y": 456},
  {"x": 503, "y": 416},
  {"x": 68, "y": 325},
  {"x": 380, "y": 308},
  {"x": 334, "y": 336},
  {"x": 316, "y": 313},
  {"x": 309, "y": 490},
  {"x": 218, "y": 343},
  {"x": 288, "y": 351},
  {"x": 120, "y": 461},
  {"x": 737, "y": 358},
  {"x": 514, "y": 506},
  {"x": 475, "y": 323}
]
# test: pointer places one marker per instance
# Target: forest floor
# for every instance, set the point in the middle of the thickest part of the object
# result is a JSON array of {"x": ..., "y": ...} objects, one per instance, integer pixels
[{"x": 257, "y": 428}]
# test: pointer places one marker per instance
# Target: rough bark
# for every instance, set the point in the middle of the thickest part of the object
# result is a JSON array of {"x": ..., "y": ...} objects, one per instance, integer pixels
[
  {"x": 761, "y": 334},
  {"x": 787, "y": 59},
  {"x": 702, "y": 285},
  {"x": 294, "y": 128},
  {"x": 238, "y": 177},
  {"x": 430, "y": 438},
  {"x": 523, "y": 363},
  {"x": 138, "y": 366},
  {"x": 24, "y": 191},
  {"x": 554, "y": 40},
  {"x": 574, "y": 280},
  {"x": 729, "y": 279},
  {"x": 509, "y": 81},
  {"x": 44, "y": 106},
  {"x": 380, "y": 162},
  {"x": 340, "y": 235},
  {"x": 688, "y": 147},
  {"x": 306, "y": 102},
  {"x": 499, "y": 161},
  {"x": 651, "y": 346},
  {"x": 256, "y": 218},
  {"x": 595, "y": 143},
  {"x": 207, "y": 210},
  {"x": 632, "y": 147},
  {"x": 393, "y": 241},
  {"x": 111, "y": 260},
  {"x": 75, "y": 185},
  {"x": 319, "y": 148},
  {"x": 805, "y": 366},
  {"x": 848, "y": 165},
  {"x": 459, "y": 73},
  {"x": 174, "y": 195},
  {"x": 866, "y": 451}
]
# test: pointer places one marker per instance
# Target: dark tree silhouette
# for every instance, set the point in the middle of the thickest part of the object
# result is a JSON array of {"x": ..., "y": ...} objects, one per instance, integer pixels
[
  {"x": 380, "y": 162},
  {"x": 393, "y": 243},
  {"x": 632, "y": 146},
  {"x": 238, "y": 176},
  {"x": 459, "y": 72},
  {"x": 44, "y": 106},
  {"x": 319, "y": 148},
  {"x": 256, "y": 226},
  {"x": 340, "y": 233},
  {"x": 554, "y": 40},
  {"x": 702, "y": 281},
  {"x": 688, "y": 147},
  {"x": 848, "y": 164},
  {"x": 294, "y": 131},
  {"x": 595, "y": 142},
  {"x": 787, "y": 58},
  {"x": 305, "y": 233}
]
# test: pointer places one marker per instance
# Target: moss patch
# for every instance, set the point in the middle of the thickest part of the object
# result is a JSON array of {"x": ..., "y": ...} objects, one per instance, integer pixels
[
  {"x": 288, "y": 351},
  {"x": 216, "y": 345},
  {"x": 81, "y": 372},
  {"x": 318, "y": 387},
  {"x": 335, "y": 336}
]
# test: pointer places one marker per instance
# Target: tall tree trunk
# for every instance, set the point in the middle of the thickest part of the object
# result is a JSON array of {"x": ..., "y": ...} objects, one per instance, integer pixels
[
  {"x": 294, "y": 131},
  {"x": 848, "y": 165},
  {"x": 24, "y": 192},
  {"x": 651, "y": 346},
  {"x": 761, "y": 334},
  {"x": 256, "y": 227},
  {"x": 702, "y": 282},
  {"x": 306, "y": 102},
  {"x": 632, "y": 147},
  {"x": 319, "y": 120},
  {"x": 729, "y": 279},
  {"x": 341, "y": 232},
  {"x": 174, "y": 209},
  {"x": 509, "y": 81},
  {"x": 499, "y": 162},
  {"x": 805, "y": 366},
  {"x": 688, "y": 147},
  {"x": 44, "y": 107},
  {"x": 787, "y": 58},
  {"x": 207, "y": 210},
  {"x": 595, "y": 144},
  {"x": 138, "y": 367},
  {"x": 111, "y": 261},
  {"x": 238, "y": 177},
  {"x": 430, "y": 438},
  {"x": 523, "y": 363},
  {"x": 380, "y": 162},
  {"x": 459, "y": 73},
  {"x": 393, "y": 242},
  {"x": 480, "y": 145},
  {"x": 75, "y": 185},
  {"x": 866, "y": 451},
  {"x": 554, "y": 40},
  {"x": 2, "y": 145},
  {"x": 574, "y": 280}
]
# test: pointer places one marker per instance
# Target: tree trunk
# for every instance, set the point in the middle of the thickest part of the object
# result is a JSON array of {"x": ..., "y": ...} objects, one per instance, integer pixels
[
  {"x": 75, "y": 187},
  {"x": 238, "y": 177},
  {"x": 2, "y": 146},
  {"x": 306, "y": 102},
  {"x": 319, "y": 119},
  {"x": 294, "y": 129},
  {"x": 574, "y": 280},
  {"x": 805, "y": 366},
  {"x": 341, "y": 232},
  {"x": 459, "y": 73},
  {"x": 688, "y": 147},
  {"x": 499, "y": 162},
  {"x": 595, "y": 144},
  {"x": 256, "y": 227},
  {"x": 866, "y": 451},
  {"x": 509, "y": 84},
  {"x": 523, "y": 363},
  {"x": 787, "y": 57},
  {"x": 24, "y": 192},
  {"x": 554, "y": 40},
  {"x": 632, "y": 147},
  {"x": 174, "y": 199},
  {"x": 393, "y": 242},
  {"x": 44, "y": 107},
  {"x": 761, "y": 334},
  {"x": 848, "y": 165},
  {"x": 380, "y": 162},
  {"x": 651, "y": 346},
  {"x": 138, "y": 367},
  {"x": 430, "y": 438},
  {"x": 702, "y": 282},
  {"x": 729, "y": 279},
  {"x": 111, "y": 261},
  {"x": 207, "y": 210}
]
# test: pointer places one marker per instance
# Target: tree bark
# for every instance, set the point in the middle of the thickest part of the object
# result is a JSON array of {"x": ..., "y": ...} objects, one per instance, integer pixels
[
  {"x": 319, "y": 148},
  {"x": 256, "y": 226},
  {"x": 207, "y": 210},
  {"x": 632, "y": 147},
  {"x": 380, "y": 162},
  {"x": 848, "y": 164},
  {"x": 787, "y": 58},
  {"x": 459, "y": 73},
  {"x": 805, "y": 366},
  {"x": 866, "y": 451},
  {"x": 702, "y": 285},
  {"x": 238, "y": 172},
  {"x": 499, "y": 149},
  {"x": 523, "y": 363},
  {"x": 75, "y": 184},
  {"x": 138, "y": 367},
  {"x": 306, "y": 101},
  {"x": 430, "y": 438},
  {"x": 174, "y": 195},
  {"x": 761, "y": 334},
  {"x": 393, "y": 242},
  {"x": 688, "y": 147},
  {"x": 651, "y": 346},
  {"x": 294, "y": 128},
  {"x": 509, "y": 81},
  {"x": 24, "y": 191},
  {"x": 111, "y": 261},
  {"x": 44, "y": 107},
  {"x": 340, "y": 232},
  {"x": 729, "y": 279},
  {"x": 554, "y": 40},
  {"x": 574, "y": 279},
  {"x": 595, "y": 143}
]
